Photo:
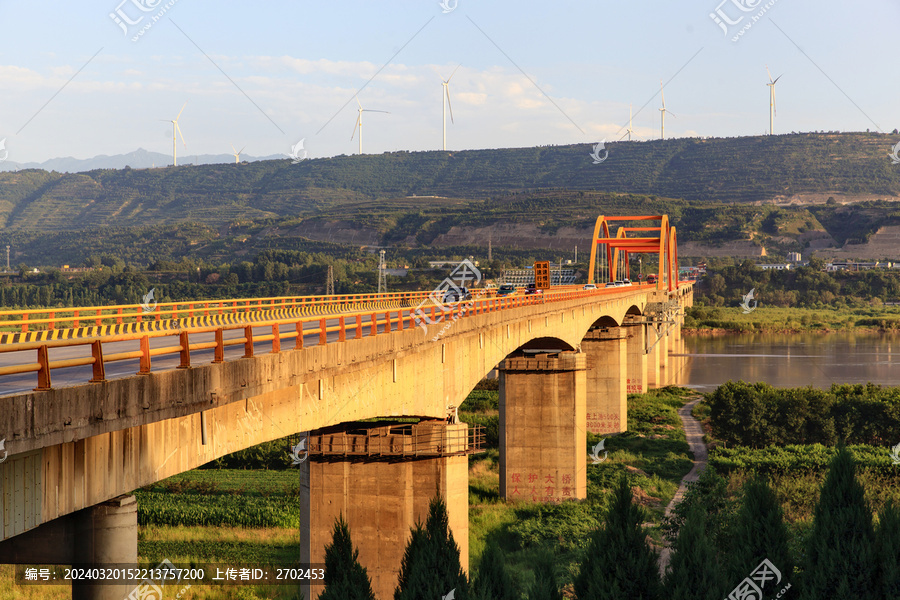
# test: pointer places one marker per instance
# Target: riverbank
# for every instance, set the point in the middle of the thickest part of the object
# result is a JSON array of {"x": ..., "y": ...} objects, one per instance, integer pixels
[{"x": 707, "y": 320}]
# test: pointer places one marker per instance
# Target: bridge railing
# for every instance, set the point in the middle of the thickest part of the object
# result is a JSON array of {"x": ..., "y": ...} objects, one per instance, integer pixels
[
  {"x": 350, "y": 325},
  {"x": 85, "y": 316}
]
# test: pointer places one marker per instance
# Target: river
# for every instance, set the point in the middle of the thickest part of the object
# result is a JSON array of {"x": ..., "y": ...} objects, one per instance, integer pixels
[{"x": 791, "y": 360}]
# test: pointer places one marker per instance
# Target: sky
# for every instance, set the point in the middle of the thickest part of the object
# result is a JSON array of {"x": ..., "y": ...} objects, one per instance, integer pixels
[{"x": 263, "y": 76}]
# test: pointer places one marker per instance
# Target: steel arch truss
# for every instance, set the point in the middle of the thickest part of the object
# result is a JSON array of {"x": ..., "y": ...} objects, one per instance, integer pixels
[{"x": 664, "y": 244}]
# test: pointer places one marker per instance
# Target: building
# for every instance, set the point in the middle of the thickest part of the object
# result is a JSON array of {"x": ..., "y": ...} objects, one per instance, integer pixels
[
  {"x": 795, "y": 257},
  {"x": 448, "y": 264},
  {"x": 776, "y": 267}
]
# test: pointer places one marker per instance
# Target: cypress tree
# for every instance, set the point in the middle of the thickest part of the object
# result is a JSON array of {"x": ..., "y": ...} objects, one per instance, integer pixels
[
  {"x": 619, "y": 562},
  {"x": 694, "y": 571},
  {"x": 545, "y": 586},
  {"x": 840, "y": 558},
  {"x": 491, "y": 581},
  {"x": 345, "y": 578},
  {"x": 430, "y": 566},
  {"x": 759, "y": 533},
  {"x": 888, "y": 543}
]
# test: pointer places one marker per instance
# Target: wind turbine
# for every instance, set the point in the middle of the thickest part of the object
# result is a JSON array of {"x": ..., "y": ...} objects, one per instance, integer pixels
[
  {"x": 771, "y": 85},
  {"x": 662, "y": 112},
  {"x": 359, "y": 122},
  {"x": 237, "y": 154},
  {"x": 444, "y": 106},
  {"x": 628, "y": 131},
  {"x": 176, "y": 128}
]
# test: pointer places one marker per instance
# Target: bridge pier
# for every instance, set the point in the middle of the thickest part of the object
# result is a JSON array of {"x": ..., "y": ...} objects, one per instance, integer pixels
[
  {"x": 653, "y": 356},
  {"x": 543, "y": 446},
  {"x": 102, "y": 535},
  {"x": 381, "y": 479},
  {"x": 636, "y": 369},
  {"x": 606, "y": 392}
]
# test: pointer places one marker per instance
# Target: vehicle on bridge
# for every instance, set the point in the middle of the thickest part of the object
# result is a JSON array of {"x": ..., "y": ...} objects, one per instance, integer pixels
[
  {"x": 457, "y": 295},
  {"x": 507, "y": 289},
  {"x": 532, "y": 288},
  {"x": 589, "y": 286}
]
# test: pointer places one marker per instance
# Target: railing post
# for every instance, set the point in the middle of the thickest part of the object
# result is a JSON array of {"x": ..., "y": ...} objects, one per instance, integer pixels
[
  {"x": 98, "y": 366},
  {"x": 299, "y": 343},
  {"x": 400, "y": 320},
  {"x": 342, "y": 337},
  {"x": 76, "y": 322},
  {"x": 52, "y": 316},
  {"x": 374, "y": 330},
  {"x": 248, "y": 341},
  {"x": 358, "y": 326},
  {"x": 145, "y": 354},
  {"x": 191, "y": 310},
  {"x": 185, "y": 350},
  {"x": 44, "y": 372},
  {"x": 219, "y": 352},
  {"x": 387, "y": 322},
  {"x": 119, "y": 316},
  {"x": 98, "y": 321},
  {"x": 276, "y": 339},
  {"x": 24, "y": 322},
  {"x": 323, "y": 332}
]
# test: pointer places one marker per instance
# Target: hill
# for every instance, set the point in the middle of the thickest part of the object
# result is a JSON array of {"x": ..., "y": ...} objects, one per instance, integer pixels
[{"x": 740, "y": 170}]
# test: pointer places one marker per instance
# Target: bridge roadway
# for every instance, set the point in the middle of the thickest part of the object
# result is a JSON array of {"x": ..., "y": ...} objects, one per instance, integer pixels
[{"x": 96, "y": 417}]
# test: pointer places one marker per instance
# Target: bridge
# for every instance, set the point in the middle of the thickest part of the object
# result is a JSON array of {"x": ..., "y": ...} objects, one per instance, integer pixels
[{"x": 99, "y": 401}]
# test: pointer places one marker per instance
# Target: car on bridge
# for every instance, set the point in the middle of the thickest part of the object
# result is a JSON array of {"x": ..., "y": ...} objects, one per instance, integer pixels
[
  {"x": 532, "y": 288},
  {"x": 457, "y": 295},
  {"x": 613, "y": 284},
  {"x": 507, "y": 289},
  {"x": 589, "y": 286}
]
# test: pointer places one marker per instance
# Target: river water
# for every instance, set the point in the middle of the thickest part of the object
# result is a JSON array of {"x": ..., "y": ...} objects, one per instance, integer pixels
[{"x": 791, "y": 360}]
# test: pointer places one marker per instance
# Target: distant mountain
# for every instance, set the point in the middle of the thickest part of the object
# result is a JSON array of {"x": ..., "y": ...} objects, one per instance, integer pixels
[{"x": 139, "y": 159}]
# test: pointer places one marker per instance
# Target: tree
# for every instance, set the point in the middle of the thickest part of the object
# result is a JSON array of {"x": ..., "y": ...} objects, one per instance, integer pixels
[
  {"x": 759, "y": 533},
  {"x": 491, "y": 581},
  {"x": 619, "y": 563},
  {"x": 888, "y": 543},
  {"x": 694, "y": 571},
  {"x": 345, "y": 578},
  {"x": 430, "y": 566},
  {"x": 545, "y": 586},
  {"x": 840, "y": 557}
]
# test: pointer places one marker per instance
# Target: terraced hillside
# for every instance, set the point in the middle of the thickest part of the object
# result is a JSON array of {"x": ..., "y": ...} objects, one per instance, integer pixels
[{"x": 751, "y": 169}]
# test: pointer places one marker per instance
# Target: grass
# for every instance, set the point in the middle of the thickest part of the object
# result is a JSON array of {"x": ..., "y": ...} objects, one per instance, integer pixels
[{"x": 774, "y": 319}]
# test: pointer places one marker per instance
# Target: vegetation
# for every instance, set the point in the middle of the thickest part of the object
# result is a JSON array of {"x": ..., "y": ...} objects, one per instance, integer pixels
[
  {"x": 841, "y": 558},
  {"x": 619, "y": 563},
  {"x": 345, "y": 578},
  {"x": 758, "y": 414},
  {"x": 695, "y": 571}
]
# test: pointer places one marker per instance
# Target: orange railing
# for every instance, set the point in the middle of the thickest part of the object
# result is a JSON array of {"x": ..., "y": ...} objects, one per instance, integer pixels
[
  {"x": 349, "y": 325},
  {"x": 74, "y": 317}
]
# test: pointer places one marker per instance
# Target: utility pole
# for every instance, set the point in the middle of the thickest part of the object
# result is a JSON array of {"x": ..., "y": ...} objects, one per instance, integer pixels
[
  {"x": 382, "y": 284},
  {"x": 576, "y": 254},
  {"x": 7, "y": 257},
  {"x": 490, "y": 257},
  {"x": 329, "y": 283}
]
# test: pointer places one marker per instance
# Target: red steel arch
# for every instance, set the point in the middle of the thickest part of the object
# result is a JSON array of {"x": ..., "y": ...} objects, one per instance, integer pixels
[{"x": 664, "y": 244}]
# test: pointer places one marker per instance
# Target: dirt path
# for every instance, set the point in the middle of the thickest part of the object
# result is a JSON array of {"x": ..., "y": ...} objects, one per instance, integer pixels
[{"x": 694, "y": 434}]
